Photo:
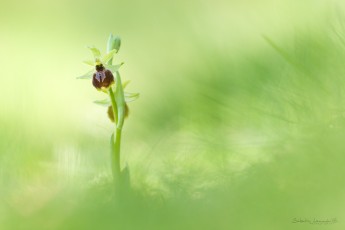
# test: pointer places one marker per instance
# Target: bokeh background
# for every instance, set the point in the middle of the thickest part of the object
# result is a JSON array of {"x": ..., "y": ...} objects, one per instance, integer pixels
[{"x": 240, "y": 122}]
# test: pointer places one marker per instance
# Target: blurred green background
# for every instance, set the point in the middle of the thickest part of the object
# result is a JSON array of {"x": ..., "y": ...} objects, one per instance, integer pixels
[{"x": 240, "y": 123}]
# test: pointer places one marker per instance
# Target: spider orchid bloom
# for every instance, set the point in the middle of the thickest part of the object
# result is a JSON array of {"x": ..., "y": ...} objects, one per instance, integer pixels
[
  {"x": 103, "y": 77},
  {"x": 106, "y": 78}
]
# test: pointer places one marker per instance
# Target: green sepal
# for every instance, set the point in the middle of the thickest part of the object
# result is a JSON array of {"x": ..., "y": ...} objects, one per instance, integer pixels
[
  {"x": 113, "y": 68},
  {"x": 89, "y": 62},
  {"x": 106, "y": 58},
  {"x": 96, "y": 53},
  {"x": 129, "y": 97},
  {"x": 88, "y": 75},
  {"x": 105, "y": 102}
]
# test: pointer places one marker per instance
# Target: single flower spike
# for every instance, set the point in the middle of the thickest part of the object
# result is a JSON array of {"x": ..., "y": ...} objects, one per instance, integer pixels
[
  {"x": 103, "y": 78},
  {"x": 106, "y": 78}
]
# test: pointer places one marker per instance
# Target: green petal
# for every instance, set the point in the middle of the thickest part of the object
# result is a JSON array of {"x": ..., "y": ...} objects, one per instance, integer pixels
[
  {"x": 109, "y": 56},
  {"x": 88, "y": 75},
  {"x": 105, "y": 102},
  {"x": 129, "y": 97},
  {"x": 96, "y": 53}
]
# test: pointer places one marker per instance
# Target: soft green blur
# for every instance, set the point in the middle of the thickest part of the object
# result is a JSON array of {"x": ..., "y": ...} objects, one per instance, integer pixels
[{"x": 240, "y": 122}]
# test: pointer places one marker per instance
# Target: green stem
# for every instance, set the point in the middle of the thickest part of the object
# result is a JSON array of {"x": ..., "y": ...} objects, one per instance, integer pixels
[
  {"x": 115, "y": 156},
  {"x": 115, "y": 142},
  {"x": 117, "y": 160}
]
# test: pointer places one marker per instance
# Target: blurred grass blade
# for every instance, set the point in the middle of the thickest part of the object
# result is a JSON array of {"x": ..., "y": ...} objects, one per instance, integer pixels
[{"x": 279, "y": 50}]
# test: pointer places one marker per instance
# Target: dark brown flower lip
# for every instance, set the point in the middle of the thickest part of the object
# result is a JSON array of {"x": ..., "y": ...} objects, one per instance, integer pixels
[
  {"x": 102, "y": 79},
  {"x": 100, "y": 76}
]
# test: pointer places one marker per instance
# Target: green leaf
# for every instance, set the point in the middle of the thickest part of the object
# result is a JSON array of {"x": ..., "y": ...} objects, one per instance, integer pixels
[
  {"x": 105, "y": 102},
  {"x": 89, "y": 62},
  {"x": 113, "y": 68},
  {"x": 88, "y": 75},
  {"x": 108, "y": 56},
  {"x": 110, "y": 43},
  {"x": 96, "y": 53},
  {"x": 129, "y": 97},
  {"x": 120, "y": 101}
]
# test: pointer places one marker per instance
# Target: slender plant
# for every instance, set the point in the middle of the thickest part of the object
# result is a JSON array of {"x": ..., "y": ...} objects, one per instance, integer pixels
[{"x": 103, "y": 79}]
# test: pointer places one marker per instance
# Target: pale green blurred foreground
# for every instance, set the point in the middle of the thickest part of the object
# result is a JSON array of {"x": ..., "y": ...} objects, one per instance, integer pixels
[{"x": 240, "y": 123}]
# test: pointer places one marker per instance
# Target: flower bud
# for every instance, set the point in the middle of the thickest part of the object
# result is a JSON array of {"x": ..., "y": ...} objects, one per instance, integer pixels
[
  {"x": 111, "y": 114},
  {"x": 114, "y": 43}
]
